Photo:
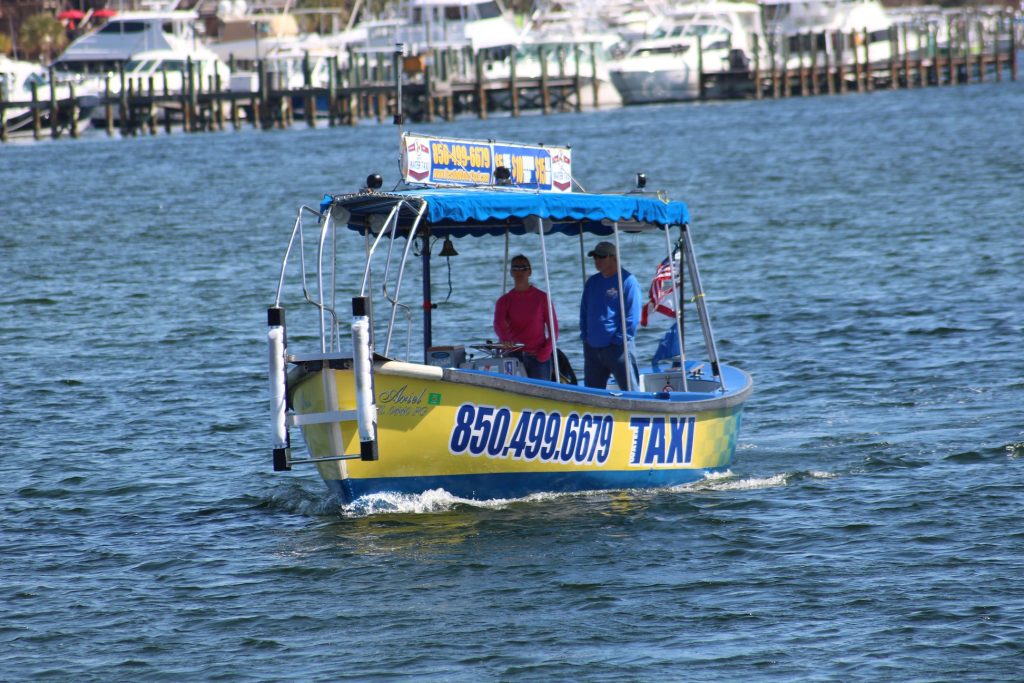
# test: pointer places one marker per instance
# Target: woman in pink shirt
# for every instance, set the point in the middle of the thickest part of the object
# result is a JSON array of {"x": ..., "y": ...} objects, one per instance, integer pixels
[{"x": 521, "y": 317}]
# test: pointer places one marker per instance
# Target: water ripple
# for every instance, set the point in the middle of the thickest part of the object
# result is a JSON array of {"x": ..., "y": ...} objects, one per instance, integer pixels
[{"x": 866, "y": 530}]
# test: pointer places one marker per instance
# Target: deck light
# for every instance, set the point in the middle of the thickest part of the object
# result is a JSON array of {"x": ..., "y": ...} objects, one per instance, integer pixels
[
  {"x": 641, "y": 181},
  {"x": 374, "y": 181}
]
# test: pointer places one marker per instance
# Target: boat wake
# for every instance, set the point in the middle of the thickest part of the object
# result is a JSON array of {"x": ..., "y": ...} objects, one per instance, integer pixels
[
  {"x": 432, "y": 501},
  {"x": 727, "y": 481},
  {"x": 439, "y": 500}
]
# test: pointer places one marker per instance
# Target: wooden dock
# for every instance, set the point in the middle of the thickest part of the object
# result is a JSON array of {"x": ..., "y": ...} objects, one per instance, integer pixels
[
  {"x": 454, "y": 83},
  {"x": 364, "y": 90},
  {"x": 976, "y": 51}
]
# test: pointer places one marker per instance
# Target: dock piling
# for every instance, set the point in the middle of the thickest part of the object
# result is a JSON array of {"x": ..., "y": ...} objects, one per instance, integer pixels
[
  {"x": 545, "y": 91},
  {"x": 75, "y": 111},
  {"x": 37, "y": 119}
]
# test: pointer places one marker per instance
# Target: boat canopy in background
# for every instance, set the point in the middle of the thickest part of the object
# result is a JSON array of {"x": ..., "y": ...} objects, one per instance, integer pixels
[{"x": 494, "y": 211}]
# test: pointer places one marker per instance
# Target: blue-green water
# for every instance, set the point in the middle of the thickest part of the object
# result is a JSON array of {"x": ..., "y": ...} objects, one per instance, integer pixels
[{"x": 863, "y": 257}]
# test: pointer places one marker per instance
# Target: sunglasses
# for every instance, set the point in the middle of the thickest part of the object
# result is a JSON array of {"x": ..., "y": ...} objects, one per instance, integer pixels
[
  {"x": 597, "y": 256},
  {"x": 519, "y": 269}
]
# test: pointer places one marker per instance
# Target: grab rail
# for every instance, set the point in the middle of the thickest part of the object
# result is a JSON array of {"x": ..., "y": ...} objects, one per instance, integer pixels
[
  {"x": 398, "y": 285},
  {"x": 296, "y": 231},
  {"x": 390, "y": 228}
]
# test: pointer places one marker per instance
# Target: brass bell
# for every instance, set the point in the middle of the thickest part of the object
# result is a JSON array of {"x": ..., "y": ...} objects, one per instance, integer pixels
[{"x": 448, "y": 248}]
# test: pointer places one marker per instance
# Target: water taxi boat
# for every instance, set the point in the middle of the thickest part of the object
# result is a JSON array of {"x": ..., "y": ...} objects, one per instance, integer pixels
[{"x": 375, "y": 420}]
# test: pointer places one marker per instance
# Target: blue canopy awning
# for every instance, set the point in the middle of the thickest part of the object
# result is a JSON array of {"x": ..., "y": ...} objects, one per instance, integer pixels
[{"x": 494, "y": 211}]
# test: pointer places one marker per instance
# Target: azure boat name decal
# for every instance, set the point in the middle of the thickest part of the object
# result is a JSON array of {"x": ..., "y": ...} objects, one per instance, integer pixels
[
  {"x": 661, "y": 441},
  {"x": 580, "y": 438}
]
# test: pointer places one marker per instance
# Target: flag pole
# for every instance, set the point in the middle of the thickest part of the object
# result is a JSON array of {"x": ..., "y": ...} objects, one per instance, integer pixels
[{"x": 677, "y": 281}]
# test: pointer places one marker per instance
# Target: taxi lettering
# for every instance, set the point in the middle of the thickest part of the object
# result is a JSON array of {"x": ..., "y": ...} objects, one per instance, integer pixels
[{"x": 659, "y": 440}]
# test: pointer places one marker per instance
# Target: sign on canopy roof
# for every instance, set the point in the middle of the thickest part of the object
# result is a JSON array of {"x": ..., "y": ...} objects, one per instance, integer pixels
[{"x": 460, "y": 163}]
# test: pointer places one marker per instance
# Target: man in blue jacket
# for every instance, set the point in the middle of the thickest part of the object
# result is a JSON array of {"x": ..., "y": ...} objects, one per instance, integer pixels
[{"x": 601, "y": 329}]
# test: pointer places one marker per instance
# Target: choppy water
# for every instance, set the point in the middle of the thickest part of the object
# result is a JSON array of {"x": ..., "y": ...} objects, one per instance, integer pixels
[{"x": 863, "y": 257}]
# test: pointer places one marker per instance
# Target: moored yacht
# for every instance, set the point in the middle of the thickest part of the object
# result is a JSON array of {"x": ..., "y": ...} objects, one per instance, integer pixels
[
  {"x": 708, "y": 38},
  {"x": 573, "y": 38},
  {"x": 143, "y": 43},
  {"x": 169, "y": 70},
  {"x": 789, "y": 19},
  {"x": 423, "y": 25},
  {"x": 246, "y": 38}
]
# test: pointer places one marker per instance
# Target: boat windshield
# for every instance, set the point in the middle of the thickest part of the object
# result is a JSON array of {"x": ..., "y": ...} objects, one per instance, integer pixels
[
  {"x": 124, "y": 27},
  {"x": 663, "y": 50},
  {"x": 488, "y": 10},
  {"x": 140, "y": 65}
]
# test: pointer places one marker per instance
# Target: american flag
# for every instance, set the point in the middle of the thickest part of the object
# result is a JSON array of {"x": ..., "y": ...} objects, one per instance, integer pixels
[{"x": 661, "y": 296}]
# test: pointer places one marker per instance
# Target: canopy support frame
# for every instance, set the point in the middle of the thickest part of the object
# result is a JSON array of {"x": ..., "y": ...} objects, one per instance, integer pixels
[
  {"x": 552, "y": 326},
  {"x": 702, "y": 311}
]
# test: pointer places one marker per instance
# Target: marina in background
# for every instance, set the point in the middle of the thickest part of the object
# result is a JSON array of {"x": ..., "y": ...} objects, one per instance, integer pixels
[{"x": 150, "y": 71}]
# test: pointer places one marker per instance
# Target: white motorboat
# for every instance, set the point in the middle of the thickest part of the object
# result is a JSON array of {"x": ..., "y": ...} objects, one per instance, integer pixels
[
  {"x": 424, "y": 25},
  {"x": 143, "y": 43},
  {"x": 247, "y": 39},
  {"x": 169, "y": 71},
  {"x": 712, "y": 37},
  {"x": 791, "y": 20},
  {"x": 573, "y": 39},
  {"x": 18, "y": 79}
]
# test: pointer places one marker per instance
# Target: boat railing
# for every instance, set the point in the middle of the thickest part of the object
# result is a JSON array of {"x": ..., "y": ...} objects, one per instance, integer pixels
[
  {"x": 390, "y": 223},
  {"x": 390, "y": 228},
  {"x": 332, "y": 341},
  {"x": 328, "y": 342},
  {"x": 324, "y": 297},
  {"x": 296, "y": 238},
  {"x": 394, "y": 301}
]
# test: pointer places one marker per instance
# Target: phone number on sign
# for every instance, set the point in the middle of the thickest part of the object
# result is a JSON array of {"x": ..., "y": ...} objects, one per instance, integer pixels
[{"x": 537, "y": 434}]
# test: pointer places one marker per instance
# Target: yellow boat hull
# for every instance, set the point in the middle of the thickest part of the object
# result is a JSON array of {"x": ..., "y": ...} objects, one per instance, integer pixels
[{"x": 483, "y": 436}]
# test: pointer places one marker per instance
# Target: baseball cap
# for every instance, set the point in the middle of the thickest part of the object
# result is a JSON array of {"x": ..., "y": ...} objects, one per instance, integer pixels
[{"x": 603, "y": 249}]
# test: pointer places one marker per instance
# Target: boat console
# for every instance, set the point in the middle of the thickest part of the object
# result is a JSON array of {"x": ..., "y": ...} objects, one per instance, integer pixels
[{"x": 496, "y": 358}]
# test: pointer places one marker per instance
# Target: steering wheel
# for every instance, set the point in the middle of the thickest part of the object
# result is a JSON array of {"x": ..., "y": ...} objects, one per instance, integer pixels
[{"x": 498, "y": 349}]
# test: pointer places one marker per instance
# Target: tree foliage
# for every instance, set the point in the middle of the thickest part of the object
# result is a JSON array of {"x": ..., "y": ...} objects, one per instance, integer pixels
[{"x": 42, "y": 36}]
